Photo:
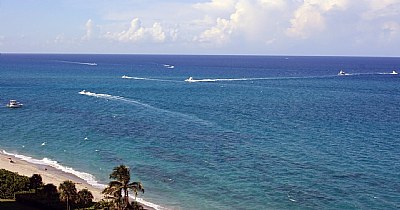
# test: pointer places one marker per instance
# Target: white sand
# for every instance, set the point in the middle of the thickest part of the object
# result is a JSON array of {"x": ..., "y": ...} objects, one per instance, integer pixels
[{"x": 51, "y": 175}]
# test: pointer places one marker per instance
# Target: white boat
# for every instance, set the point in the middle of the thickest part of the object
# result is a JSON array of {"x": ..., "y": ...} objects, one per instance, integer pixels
[
  {"x": 14, "y": 104},
  {"x": 83, "y": 92},
  {"x": 92, "y": 64},
  {"x": 190, "y": 79},
  {"x": 394, "y": 72},
  {"x": 169, "y": 66},
  {"x": 341, "y": 73}
]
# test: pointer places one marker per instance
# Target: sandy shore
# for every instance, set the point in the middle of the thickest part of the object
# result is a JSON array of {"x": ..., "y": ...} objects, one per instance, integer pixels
[{"x": 49, "y": 174}]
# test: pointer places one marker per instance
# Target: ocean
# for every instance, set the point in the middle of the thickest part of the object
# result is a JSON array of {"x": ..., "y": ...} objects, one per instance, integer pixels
[{"x": 252, "y": 132}]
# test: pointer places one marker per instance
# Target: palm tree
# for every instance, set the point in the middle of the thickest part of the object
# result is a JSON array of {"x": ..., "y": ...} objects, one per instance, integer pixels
[
  {"x": 114, "y": 191},
  {"x": 68, "y": 192},
  {"x": 122, "y": 177}
]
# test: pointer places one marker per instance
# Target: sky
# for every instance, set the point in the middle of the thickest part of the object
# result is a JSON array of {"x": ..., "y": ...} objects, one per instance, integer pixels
[{"x": 243, "y": 27}]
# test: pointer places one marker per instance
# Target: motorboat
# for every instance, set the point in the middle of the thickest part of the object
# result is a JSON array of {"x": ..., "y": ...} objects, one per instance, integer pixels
[
  {"x": 341, "y": 73},
  {"x": 169, "y": 66},
  {"x": 14, "y": 104},
  {"x": 190, "y": 79},
  {"x": 83, "y": 92},
  {"x": 394, "y": 72}
]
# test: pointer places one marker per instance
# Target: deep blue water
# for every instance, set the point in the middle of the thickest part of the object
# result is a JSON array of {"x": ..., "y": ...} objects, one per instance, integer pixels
[{"x": 287, "y": 133}]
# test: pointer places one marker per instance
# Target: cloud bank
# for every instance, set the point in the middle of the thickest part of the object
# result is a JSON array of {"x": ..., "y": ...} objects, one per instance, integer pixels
[{"x": 311, "y": 27}]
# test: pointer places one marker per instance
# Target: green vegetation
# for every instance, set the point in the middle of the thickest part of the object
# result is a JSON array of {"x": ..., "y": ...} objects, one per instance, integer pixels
[
  {"x": 121, "y": 183},
  {"x": 10, "y": 183},
  {"x": 30, "y": 193}
]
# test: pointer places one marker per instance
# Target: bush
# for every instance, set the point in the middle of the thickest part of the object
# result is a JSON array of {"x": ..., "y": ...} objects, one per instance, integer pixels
[
  {"x": 39, "y": 200},
  {"x": 11, "y": 182}
]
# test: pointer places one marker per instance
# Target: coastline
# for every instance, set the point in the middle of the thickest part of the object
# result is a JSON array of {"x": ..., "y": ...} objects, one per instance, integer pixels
[
  {"x": 53, "y": 175},
  {"x": 49, "y": 174}
]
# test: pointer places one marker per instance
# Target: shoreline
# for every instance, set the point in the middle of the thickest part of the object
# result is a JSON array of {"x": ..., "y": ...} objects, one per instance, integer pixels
[{"x": 52, "y": 175}]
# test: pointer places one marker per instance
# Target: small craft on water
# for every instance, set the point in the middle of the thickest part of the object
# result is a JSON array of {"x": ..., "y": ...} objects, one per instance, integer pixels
[
  {"x": 169, "y": 66},
  {"x": 83, "y": 92},
  {"x": 394, "y": 72},
  {"x": 341, "y": 73},
  {"x": 190, "y": 79},
  {"x": 14, "y": 104}
]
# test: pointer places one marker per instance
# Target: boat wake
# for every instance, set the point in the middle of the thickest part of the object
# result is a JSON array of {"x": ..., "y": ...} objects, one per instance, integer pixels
[
  {"x": 80, "y": 63},
  {"x": 148, "y": 79},
  {"x": 89, "y": 178},
  {"x": 111, "y": 97},
  {"x": 190, "y": 79},
  {"x": 190, "y": 118},
  {"x": 342, "y": 73},
  {"x": 220, "y": 80}
]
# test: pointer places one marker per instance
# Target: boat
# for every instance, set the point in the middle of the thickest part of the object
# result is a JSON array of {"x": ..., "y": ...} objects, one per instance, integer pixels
[
  {"x": 14, "y": 104},
  {"x": 341, "y": 73},
  {"x": 83, "y": 92},
  {"x": 394, "y": 72},
  {"x": 92, "y": 64},
  {"x": 190, "y": 79},
  {"x": 169, "y": 66}
]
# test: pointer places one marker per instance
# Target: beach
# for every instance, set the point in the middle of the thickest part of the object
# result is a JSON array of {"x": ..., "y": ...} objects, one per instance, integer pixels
[
  {"x": 52, "y": 175},
  {"x": 48, "y": 174}
]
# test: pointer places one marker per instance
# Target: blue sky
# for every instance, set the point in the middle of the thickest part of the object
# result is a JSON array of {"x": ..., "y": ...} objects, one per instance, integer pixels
[{"x": 263, "y": 27}]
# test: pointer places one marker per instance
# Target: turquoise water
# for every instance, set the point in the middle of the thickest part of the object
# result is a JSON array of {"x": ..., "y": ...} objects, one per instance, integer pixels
[{"x": 266, "y": 132}]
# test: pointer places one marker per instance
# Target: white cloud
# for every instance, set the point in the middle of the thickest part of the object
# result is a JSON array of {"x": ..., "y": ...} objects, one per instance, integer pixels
[
  {"x": 218, "y": 34},
  {"x": 309, "y": 18},
  {"x": 138, "y": 33},
  {"x": 218, "y": 6},
  {"x": 250, "y": 20},
  {"x": 89, "y": 30}
]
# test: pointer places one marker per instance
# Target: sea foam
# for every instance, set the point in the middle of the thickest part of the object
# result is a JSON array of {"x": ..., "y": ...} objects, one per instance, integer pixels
[{"x": 89, "y": 178}]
